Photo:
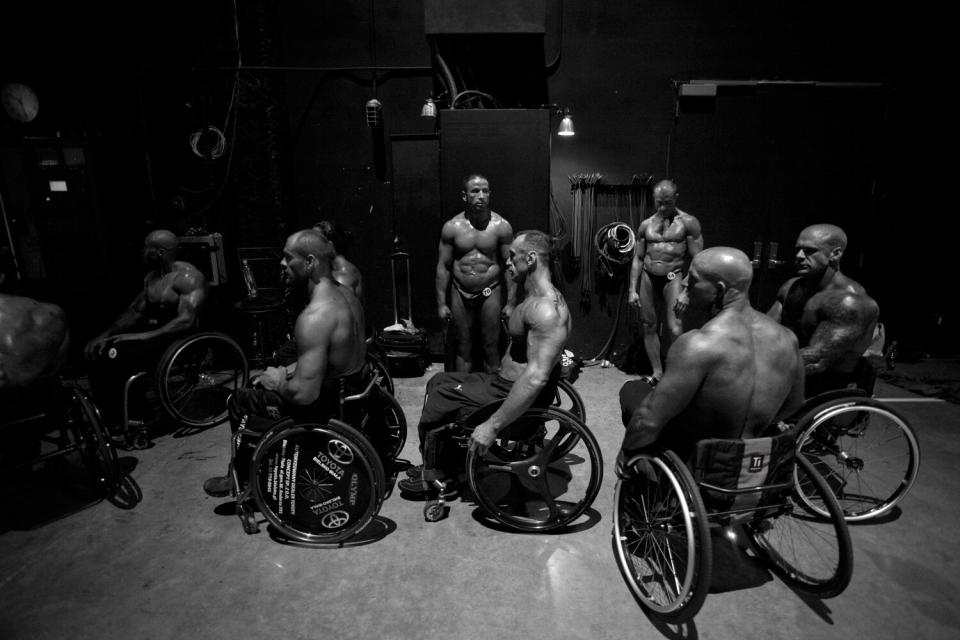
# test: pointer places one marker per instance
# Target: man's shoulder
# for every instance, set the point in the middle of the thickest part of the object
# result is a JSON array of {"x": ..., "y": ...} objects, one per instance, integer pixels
[
  {"x": 689, "y": 220},
  {"x": 844, "y": 300},
  {"x": 187, "y": 276}
]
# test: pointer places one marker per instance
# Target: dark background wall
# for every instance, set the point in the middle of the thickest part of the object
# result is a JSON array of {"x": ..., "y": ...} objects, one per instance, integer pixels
[{"x": 130, "y": 85}]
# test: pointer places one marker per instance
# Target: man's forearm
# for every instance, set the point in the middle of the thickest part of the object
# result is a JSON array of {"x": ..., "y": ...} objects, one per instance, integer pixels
[
  {"x": 522, "y": 395},
  {"x": 442, "y": 283},
  {"x": 175, "y": 326}
]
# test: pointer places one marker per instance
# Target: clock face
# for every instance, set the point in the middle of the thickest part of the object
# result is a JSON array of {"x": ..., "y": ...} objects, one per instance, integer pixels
[{"x": 19, "y": 101}]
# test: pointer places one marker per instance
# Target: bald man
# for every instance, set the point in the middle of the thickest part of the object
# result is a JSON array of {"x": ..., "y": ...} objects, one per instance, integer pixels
[
  {"x": 666, "y": 242},
  {"x": 733, "y": 371},
  {"x": 331, "y": 348},
  {"x": 831, "y": 314},
  {"x": 33, "y": 341},
  {"x": 167, "y": 308},
  {"x": 344, "y": 271}
]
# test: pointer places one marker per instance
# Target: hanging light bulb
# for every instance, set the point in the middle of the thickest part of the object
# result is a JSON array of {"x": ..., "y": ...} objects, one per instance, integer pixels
[
  {"x": 429, "y": 109},
  {"x": 374, "y": 113},
  {"x": 566, "y": 125}
]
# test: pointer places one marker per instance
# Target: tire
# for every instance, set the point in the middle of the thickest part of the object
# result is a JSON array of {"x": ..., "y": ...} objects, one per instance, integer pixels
[
  {"x": 96, "y": 448},
  {"x": 385, "y": 426},
  {"x": 662, "y": 538},
  {"x": 868, "y": 454},
  {"x": 808, "y": 553}
]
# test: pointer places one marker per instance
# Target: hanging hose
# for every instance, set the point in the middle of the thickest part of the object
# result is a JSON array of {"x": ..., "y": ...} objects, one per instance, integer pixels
[{"x": 614, "y": 243}]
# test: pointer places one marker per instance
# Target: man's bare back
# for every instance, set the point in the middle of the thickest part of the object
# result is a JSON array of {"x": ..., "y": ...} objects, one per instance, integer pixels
[{"x": 33, "y": 340}]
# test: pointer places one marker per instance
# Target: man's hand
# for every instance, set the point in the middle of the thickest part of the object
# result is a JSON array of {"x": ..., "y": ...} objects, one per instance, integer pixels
[
  {"x": 443, "y": 311},
  {"x": 634, "y": 299},
  {"x": 643, "y": 468},
  {"x": 271, "y": 378},
  {"x": 95, "y": 347},
  {"x": 482, "y": 437}
]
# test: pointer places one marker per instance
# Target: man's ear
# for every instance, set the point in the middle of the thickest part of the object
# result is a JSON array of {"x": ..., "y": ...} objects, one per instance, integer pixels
[
  {"x": 835, "y": 254},
  {"x": 721, "y": 291}
]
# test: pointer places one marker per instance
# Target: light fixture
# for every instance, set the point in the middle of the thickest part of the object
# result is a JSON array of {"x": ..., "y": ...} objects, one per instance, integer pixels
[
  {"x": 374, "y": 113},
  {"x": 429, "y": 109},
  {"x": 566, "y": 125}
]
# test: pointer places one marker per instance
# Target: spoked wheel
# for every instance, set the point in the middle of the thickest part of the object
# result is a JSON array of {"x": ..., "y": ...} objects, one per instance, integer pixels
[
  {"x": 385, "y": 426},
  {"x": 568, "y": 399},
  {"x": 662, "y": 538},
  {"x": 526, "y": 484},
  {"x": 380, "y": 370},
  {"x": 197, "y": 375},
  {"x": 867, "y": 453},
  {"x": 317, "y": 482},
  {"x": 808, "y": 553},
  {"x": 95, "y": 446}
]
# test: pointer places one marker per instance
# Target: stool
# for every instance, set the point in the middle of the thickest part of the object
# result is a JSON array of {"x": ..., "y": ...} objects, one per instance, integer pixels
[{"x": 260, "y": 311}]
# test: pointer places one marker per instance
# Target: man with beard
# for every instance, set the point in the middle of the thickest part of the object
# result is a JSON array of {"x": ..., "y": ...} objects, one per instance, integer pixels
[
  {"x": 528, "y": 371},
  {"x": 733, "y": 371},
  {"x": 167, "y": 308},
  {"x": 831, "y": 313},
  {"x": 666, "y": 242},
  {"x": 472, "y": 254},
  {"x": 329, "y": 335}
]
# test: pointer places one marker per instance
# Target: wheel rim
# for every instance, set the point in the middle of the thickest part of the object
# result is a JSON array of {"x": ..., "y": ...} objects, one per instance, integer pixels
[
  {"x": 526, "y": 485},
  {"x": 198, "y": 375},
  {"x": 868, "y": 456},
  {"x": 386, "y": 428},
  {"x": 96, "y": 449}
]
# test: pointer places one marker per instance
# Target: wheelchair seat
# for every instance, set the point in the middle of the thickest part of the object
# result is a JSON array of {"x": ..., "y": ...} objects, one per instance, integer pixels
[
  {"x": 316, "y": 479},
  {"x": 542, "y": 473},
  {"x": 664, "y": 509}
]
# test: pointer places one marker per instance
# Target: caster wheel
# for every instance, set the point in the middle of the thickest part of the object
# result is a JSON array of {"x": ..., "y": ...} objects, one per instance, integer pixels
[
  {"x": 434, "y": 511},
  {"x": 249, "y": 521},
  {"x": 141, "y": 441}
]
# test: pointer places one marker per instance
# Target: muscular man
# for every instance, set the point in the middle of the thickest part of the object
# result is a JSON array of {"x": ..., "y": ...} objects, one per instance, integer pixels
[
  {"x": 330, "y": 347},
  {"x": 733, "y": 371},
  {"x": 473, "y": 249},
  {"x": 538, "y": 329},
  {"x": 831, "y": 314},
  {"x": 344, "y": 271},
  {"x": 33, "y": 341},
  {"x": 166, "y": 308},
  {"x": 666, "y": 242}
]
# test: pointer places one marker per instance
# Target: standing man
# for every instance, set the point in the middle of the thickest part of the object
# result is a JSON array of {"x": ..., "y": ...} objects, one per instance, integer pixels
[
  {"x": 538, "y": 328},
  {"x": 666, "y": 243},
  {"x": 730, "y": 374},
  {"x": 330, "y": 348},
  {"x": 831, "y": 314},
  {"x": 166, "y": 308},
  {"x": 473, "y": 250}
]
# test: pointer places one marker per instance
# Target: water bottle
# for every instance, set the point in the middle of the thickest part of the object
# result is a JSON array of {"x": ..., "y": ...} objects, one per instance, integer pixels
[{"x": 249, "y": 281}]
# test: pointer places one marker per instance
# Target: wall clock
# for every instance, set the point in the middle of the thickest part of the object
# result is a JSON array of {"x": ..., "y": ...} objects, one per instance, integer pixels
[{"x": 19, "y": 101}]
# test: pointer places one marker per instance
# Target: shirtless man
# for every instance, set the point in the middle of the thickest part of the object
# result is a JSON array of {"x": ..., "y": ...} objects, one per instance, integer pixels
[
  {"x": 473, "y": 249},
  {"x": 330, "y": 343},
  {"x": 33, "y": 341},
  {"x": 831, "y": 313},
  {"x": 733, "y": 371},
  {"x": 666, "y": 242},
  {"x": 538, "y": 328},
  {"x": 344, "y": 271},
  {"x": 166, "y": 308}
]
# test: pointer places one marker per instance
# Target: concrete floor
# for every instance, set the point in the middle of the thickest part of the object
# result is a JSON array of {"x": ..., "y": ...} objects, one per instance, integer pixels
[{"x": 179, "y": 565}]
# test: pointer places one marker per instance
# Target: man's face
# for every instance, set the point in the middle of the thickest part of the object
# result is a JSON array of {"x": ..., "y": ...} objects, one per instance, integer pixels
[
  {"x": 813, "y": 254},
  {"x": 665, "y": 201},
  {"x": 517, "y": 267},
  {"x": 293, "y": 264},
  {"x": 696, "y": 300},
  {"x": 477, "y": 195},
  {"x": 152, "y": 255}
]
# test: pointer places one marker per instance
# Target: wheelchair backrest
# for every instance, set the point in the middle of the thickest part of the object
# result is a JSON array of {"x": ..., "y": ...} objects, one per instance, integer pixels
[{"x": 736, "y": 474}]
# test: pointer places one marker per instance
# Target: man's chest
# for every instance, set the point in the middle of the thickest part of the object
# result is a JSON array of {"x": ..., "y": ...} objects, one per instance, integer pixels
[{"x": 665, "y": 230}]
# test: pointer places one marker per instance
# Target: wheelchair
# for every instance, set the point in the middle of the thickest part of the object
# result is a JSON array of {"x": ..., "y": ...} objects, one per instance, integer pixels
[
  {"x": 541, "y": 474},
  {"x": 193, "y": 379},
  {"x": 318, "y": 480},
  {"x": 867, "y": 452},
  {"x": 72, "y": 424},
  {"x": 664, "y": 509}
]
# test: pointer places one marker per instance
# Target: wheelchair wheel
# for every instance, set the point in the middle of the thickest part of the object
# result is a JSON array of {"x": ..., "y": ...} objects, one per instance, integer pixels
[
  {"x": 569, "y": 400},
  {"x": 196, "y": 375},
  {"x": 868, "y": 454},
  {"x": 809, "y": 554},
  {"x": 662, "y": 538},
  {"x": 525, "y": 484},
  {"x": 385, "y": 426},
  {"x": 96, "y": 449},
  {"x": 380, "y": 370},
  {"x": 316, "y": 482}
]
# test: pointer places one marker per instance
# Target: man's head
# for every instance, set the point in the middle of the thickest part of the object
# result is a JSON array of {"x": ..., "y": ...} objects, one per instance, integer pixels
[
  {"x": 530, "y": 252},
  {"x": 665, "y": 196},
  {"x": 334, "y": 233},
  {"x": 819, "y": 247},
  {"x": 718, "y": 278},
  {"x": 160, "y": 248},
  {"x": 476, "y": 193},
  {"x": 307, "y": 255}
]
